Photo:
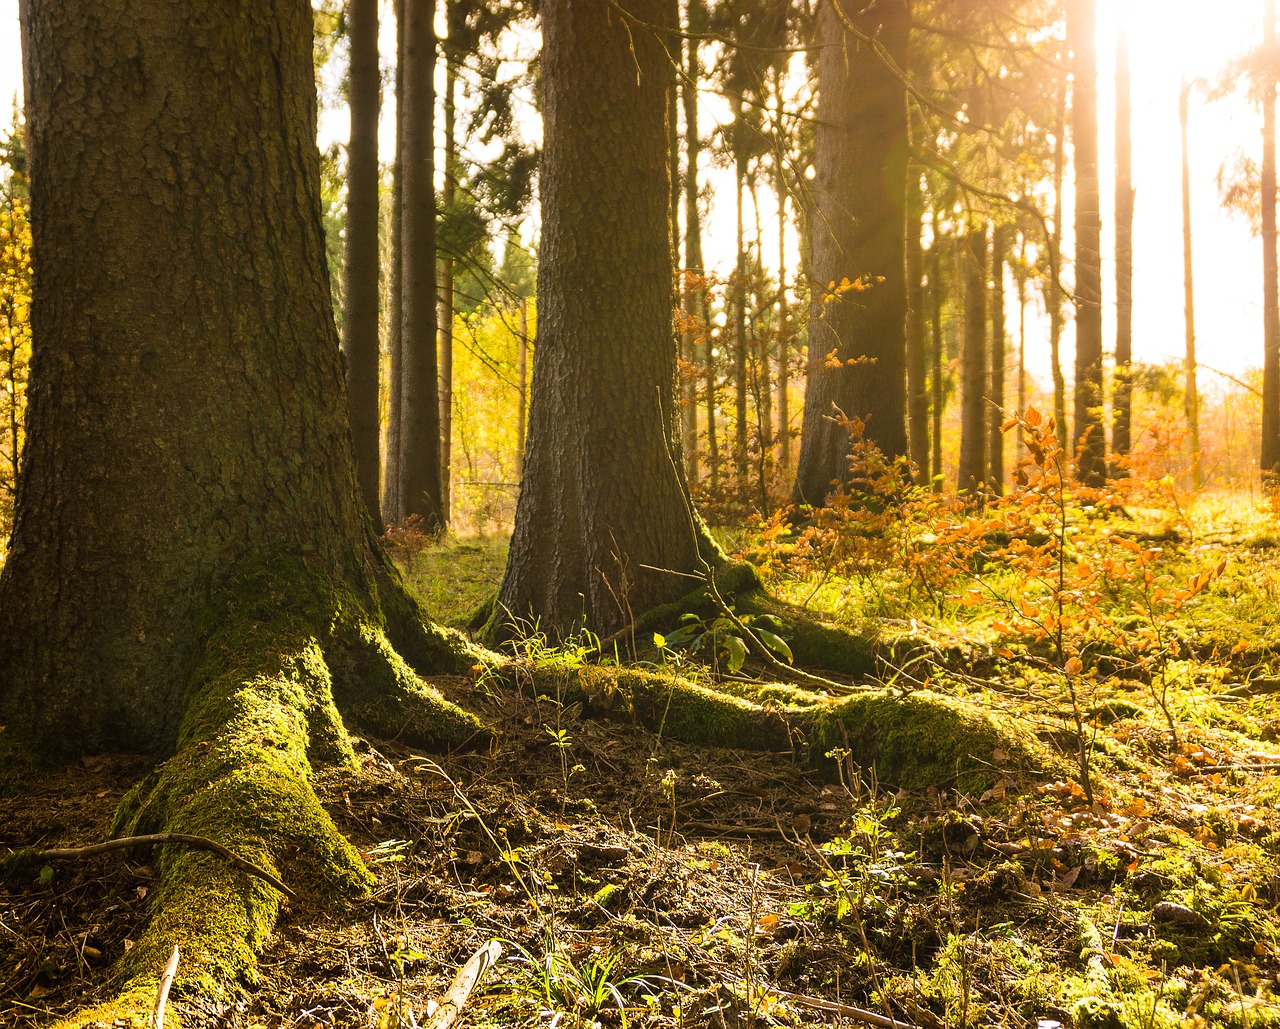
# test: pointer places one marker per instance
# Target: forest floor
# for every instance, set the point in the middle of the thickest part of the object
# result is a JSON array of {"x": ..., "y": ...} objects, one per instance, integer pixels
[{"x": 633, "y": 879}]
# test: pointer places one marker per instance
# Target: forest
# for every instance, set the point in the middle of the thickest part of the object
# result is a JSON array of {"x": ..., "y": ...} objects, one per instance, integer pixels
[{"x": 661, "y": 513}]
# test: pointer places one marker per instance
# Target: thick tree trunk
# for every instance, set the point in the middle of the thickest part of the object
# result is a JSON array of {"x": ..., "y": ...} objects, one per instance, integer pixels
[
  {"x": 192, "y": 565},
  {"x": 360, "y": 300},
  {"x": 419, "y": 399},
  {"x": 1122, "y": 401},
  {"x": 784, "y": 313},
  {"x": 860, "y": 191},
  {"x": 973, "y": 366},
  {"x": 1053, "y": 289},
  {"x": 1088, "y": 440},
  {"x": 1269, "y": 460},
  {"x": 604, "y": 522},
  {"x": 1191, "y": 400},
  {"x": 917, "y": 360},
  {"x": 995, "y": 395}
]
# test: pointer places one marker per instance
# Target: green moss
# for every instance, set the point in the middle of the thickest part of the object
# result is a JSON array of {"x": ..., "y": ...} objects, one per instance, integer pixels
[{"x": 921, "y": 739}]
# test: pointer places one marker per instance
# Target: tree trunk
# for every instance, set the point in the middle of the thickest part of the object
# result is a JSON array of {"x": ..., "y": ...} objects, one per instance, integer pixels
[
  {"x": 420, "y": 410},
  {"x": 192, "y": 564},
  {"x": 784, "y": 313},
  {"x": 1122, "y": 401},
  {"x": 392, "y": 508},
  {"x": 1053, "y": 297},
  {"x": 1022, "y": 339},
  {"x": 1088, "y": 442},
  {"x": 604, "y": 519},
  {"x": 695, "y": 301},
  {"x": 360, "y": 300},
  {"x": 936, "y": 297},
  {"x": 1269, "y": 460},
  {"x": 973, "y": 366},
  {"x": 455, "y": 17},
  {"x": 740, "y": 312},
  {"x": 1191, "y": 400},
  {"x": 860, "y": 191},
  {"x": 917, "y": 361},
  {"x": 522, "y": 384},
  {"x": 995, "y": 396}
]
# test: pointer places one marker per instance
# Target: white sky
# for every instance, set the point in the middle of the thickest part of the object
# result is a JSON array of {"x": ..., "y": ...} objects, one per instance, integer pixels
[{"x": 1167, "y": 37}]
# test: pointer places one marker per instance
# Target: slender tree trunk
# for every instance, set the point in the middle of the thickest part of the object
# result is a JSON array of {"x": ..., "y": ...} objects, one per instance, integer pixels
[
  {"x": 936, "y": 297},
  {"x": 995, "y": 397},
  {"x": 1122, "y": 401},
  {"x": 688, "y": 347},
  {"x": 784, "y": 312},
  {"x": 392, "y": 497},
  {"x": 454, "y": 15},
  {"x": 522, "y": 383},
  {"x": 360, "y": 300},
  {"x": 1054, "y": 288},
  {"x": 1089, "y": 442},
  {"x": 1269, "y": 460},
  {"x": 740, "y": 313},
  {"x": 917, "y": 361},
  {"x": 860, "y": 189},
  {"x": 696, "y": 300},
  {"x": 1190, "y": 397},
  {"x": 420, "y": 404},
  {"x": 973, "y": 366},
  {"x": 1022, "y": 339},
  {"x": 604, "y": 524},
  {"x": 762, "y": 381}
]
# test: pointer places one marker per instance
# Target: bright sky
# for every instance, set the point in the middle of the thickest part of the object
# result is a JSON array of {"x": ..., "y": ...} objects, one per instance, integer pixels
[{"x": 1167, "y": 37}]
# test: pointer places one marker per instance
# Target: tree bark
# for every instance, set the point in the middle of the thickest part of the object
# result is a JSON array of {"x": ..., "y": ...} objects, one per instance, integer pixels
[
  {"x": 1269, "y": 461},
  {"x": 604, "y": 518},
  {"x": 1191, "y": 400},
  {"x": 455, "y": 17},
  {"x": 740, "y": 308},
  {"x": 360, "y": 299},
  {"x": 995, "y": 396},
  {"x": 1122, "y": 401},
  {"x": 193, "y": 569},
  {"x": 392, "y": 508},
  {"x": 1089, "y": 441},
  {"x": 973, "y": 365},
  {"x": 784, "y": 313},
  {"x": 420, "y": 411},
  {"x": 917, "y": 361},
  {"x": 860, "y": 191},
  {"x": 1053, "y": 291},
  {"x": 936, "y": 297}
]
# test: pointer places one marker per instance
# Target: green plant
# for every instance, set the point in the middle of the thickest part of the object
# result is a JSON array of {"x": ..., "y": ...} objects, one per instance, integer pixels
[{"x": 720, "y": 639}]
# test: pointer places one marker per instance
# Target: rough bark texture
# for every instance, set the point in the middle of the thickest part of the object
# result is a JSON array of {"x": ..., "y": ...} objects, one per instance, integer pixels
[
  {"x": 192, "y": 569},
  {"x": 360, "y": 300},
  {"x": 456, "y": 17},
  {"x": 391, "y": 507},
  {"x": 1088, "y": 439},
  {"x": 604, "y": 493},
  {"x": 1122, "y": 401},
  {"x": 973, "y": 365},
  {"x": 1269, "y": 461},
  {"x": 859, "y": 229},
  {"x": 1190, "y": 397},
  {"x": 419, "y": 398}
]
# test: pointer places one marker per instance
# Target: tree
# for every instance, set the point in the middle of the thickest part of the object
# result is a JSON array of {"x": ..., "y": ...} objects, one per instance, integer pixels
[
  {"x": 360, "y": 296},
  {"x": 1122, "y": 400},
  {"x": 416, "y": 487},
  {"x": 192, "y": 572},
  {"x": 604, "y": 517},
  {"x": 973, "y": 364},
  {"x": 1269, "y": 461},
  {"x": 1089, "y": 437},
  {"x": 15, "y": 316},
  {"x": 1190, "y": 395},
  {"x": 857, "y": 337}
]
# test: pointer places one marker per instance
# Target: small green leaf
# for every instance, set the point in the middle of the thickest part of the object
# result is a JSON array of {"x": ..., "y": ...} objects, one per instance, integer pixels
[
  {"x": 46, "y": 875},
  {"x": 659, "y": 640},
  {"x": 775, "y": 643},
  {"x": 737, "y": 652}
]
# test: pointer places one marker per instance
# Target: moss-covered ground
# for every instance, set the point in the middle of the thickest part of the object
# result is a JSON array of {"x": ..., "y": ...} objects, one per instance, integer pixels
[{"x": 748, "y": 852}]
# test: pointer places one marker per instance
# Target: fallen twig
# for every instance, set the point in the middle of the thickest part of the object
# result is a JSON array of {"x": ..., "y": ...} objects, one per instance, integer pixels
[
  {"x": 162, "y": 994},
  {"x": 161, "y": 839},
  {"x": 449, "y": 1007}
]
